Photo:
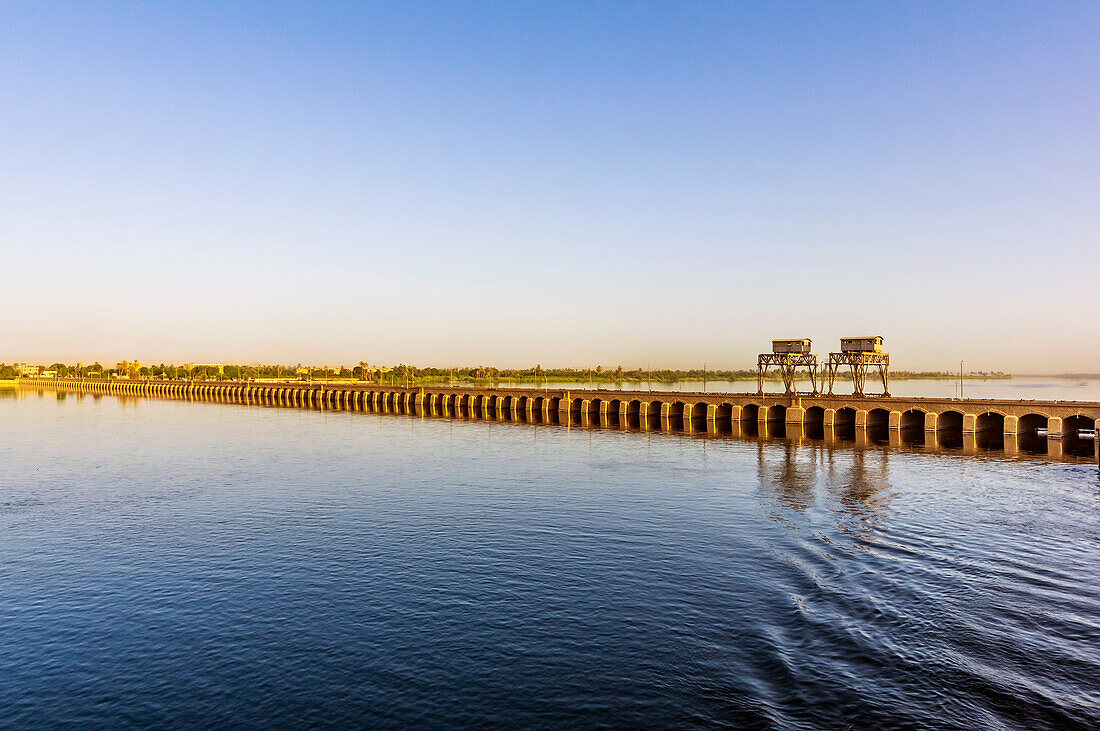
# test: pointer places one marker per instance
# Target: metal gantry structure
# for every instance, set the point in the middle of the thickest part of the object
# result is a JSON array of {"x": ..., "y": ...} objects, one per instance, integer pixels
[
  {"x": 862, "y": 355},
  {"x": 788, "y": 356}
]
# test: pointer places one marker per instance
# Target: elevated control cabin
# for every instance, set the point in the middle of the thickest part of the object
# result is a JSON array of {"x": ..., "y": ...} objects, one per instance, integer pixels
[
  {"x": 863, "y": 344},
  {"x": 788, "y": 355},
  {"x": 861, "y": 354},
  {"x": 799, "y": 346}
]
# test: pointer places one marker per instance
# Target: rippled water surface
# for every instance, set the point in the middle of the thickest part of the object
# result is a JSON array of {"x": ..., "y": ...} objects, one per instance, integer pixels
[{"x": 193, "y": 564}]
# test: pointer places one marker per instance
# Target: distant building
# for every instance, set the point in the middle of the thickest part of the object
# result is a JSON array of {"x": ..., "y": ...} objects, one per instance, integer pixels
[{"x": 191, "y": 366}]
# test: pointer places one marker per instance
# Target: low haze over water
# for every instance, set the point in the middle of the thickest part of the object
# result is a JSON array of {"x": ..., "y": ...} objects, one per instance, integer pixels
[{"x": 167, "y": 562}]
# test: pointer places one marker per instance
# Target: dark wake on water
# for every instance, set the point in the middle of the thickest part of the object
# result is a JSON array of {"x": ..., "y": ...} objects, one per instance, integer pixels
[{"x": 191, "y": 564}]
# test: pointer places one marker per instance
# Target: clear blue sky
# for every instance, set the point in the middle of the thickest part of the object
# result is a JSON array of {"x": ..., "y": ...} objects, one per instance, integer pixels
[{"x": 561, "y": 183}]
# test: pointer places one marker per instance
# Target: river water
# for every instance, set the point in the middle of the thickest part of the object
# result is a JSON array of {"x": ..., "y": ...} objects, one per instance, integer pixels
[{"x": 196, "y": 564}]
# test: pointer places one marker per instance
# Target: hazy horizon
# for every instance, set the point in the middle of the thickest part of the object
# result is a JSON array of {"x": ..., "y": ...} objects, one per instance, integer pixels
[
  {"x": 566, "y": 184},
  {"x": 607, "y": 367}
]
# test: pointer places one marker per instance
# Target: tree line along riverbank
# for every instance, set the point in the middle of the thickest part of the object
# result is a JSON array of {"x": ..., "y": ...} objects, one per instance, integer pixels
[{"x": 412, "y": 374}]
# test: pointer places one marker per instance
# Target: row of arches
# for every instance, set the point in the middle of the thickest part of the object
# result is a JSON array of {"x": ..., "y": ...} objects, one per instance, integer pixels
[{"x": 914, "y": 425}]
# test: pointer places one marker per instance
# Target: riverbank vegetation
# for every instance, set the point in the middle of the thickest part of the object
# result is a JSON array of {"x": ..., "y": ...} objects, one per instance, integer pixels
[
  {"x": 406, "y": 374},
  {"x": 598, "y": 374}
]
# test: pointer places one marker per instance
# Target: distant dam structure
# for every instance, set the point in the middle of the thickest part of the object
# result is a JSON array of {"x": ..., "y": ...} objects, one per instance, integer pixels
[{"x": 1007, "y": 424}]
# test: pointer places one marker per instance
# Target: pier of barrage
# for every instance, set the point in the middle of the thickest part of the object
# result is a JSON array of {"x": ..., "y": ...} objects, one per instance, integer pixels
[{"x": 951, "y": 420}]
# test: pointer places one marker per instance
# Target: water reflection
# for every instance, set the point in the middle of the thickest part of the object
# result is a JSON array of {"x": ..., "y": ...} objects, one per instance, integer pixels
[
  {"x": 863, "y": 490},
  {"x": 785, "y": 478},
  {"x": 803, "y": 480},
  {"x": 913, "y": 435}
]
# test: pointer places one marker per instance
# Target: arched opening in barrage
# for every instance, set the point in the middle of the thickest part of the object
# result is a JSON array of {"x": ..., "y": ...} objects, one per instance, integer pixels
[
  {"x": 1078, "y": 438},
  {"x": 990, "y": 421},
  {"x": 990, "y": 428},
  {"x": 1031, "y": 433},
  {"x": 950, "y": 421},
  {"x": 1073, "y": 425},
  {"x": 878, "y": 418},
  {"x": 878, "y": 425},
  {"x": 844, "y": 423},
  {"x": 699, "y": 416},
  {"x": 949, "y": 429},
  {"x": 813, "y": 422},
  {"x": 912, "y": 426},
  {"x": 750, "y": 416},
  {"x": 912, "y": 419},
  {"x": 777, "y": 420},
  {"x": 676, "y": 414},
  {"x": 723, "y": 417},
  {"x": 845, "y": 416},
  {"x": 1031, "y": 424}
]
